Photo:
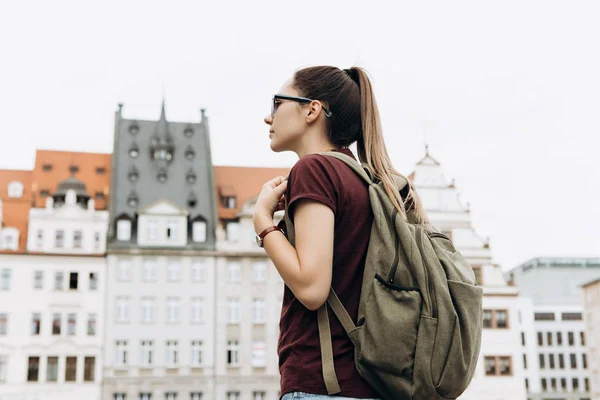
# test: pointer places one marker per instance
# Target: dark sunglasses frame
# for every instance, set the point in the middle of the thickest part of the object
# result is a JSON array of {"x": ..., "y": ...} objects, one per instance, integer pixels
[{"x": 303, "y": 100}]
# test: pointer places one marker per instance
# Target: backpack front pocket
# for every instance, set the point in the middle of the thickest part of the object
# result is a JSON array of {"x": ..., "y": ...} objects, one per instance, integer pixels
[{"x": 389, "y": 334}]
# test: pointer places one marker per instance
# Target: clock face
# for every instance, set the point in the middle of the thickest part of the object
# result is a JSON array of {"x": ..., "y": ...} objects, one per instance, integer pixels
[{"x": 258, "y": 241}]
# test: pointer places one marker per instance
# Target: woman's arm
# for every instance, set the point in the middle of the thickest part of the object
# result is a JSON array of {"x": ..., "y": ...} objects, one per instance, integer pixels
[{"x": 306, "y": 269}]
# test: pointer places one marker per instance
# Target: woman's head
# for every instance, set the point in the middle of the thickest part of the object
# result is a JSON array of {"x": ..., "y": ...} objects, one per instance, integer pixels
[{"x": 336, "y": 107}]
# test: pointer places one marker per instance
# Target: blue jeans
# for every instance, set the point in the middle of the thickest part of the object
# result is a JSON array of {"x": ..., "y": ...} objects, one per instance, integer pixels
[{"x": 310, "y": 396}]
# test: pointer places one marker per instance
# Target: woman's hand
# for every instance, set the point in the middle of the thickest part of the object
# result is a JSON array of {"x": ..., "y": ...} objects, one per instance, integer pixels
[{"x": 270, "y": 200}]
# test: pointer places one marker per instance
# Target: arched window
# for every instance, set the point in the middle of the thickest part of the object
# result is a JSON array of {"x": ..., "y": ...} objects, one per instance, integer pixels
[
  {"x": 199, "y": 230},
  {"x": 15, "y": 189}
]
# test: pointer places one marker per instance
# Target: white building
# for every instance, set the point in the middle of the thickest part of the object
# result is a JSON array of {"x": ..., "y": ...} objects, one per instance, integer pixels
[
  {"x": 553, "y": 330},
  {"x": 499, "y": 373},
  {"x": 591, "y": 297},
  {"x": 52, "y": 303}
]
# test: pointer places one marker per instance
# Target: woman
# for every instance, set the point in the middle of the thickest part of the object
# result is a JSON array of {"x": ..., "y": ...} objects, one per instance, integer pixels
[{"x": 323, "y": 109}]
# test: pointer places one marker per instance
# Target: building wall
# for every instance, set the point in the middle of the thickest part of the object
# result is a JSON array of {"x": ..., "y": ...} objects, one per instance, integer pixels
[{"x": 592, "y": 325}]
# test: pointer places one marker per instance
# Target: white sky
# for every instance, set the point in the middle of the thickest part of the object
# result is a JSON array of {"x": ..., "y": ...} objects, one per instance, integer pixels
[{"x": 510, "y": 90}]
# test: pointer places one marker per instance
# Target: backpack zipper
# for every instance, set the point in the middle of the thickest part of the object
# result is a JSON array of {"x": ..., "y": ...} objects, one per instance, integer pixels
[
  {"x": 394, "y": 267},
  {"x": 431, "y": 291}
]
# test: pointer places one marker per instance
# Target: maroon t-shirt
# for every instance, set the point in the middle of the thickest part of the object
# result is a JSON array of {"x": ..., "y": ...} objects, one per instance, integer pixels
[{"x": 331, "y": 182}]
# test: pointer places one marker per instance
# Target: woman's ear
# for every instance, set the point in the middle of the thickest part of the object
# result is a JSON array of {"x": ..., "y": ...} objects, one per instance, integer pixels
[{"x": 314, "y": 109}]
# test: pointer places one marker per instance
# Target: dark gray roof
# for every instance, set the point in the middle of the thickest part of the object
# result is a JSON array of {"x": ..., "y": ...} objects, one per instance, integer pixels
[
  {"x": 71, "y": 183},
  {"x": 142, "y": 173}
]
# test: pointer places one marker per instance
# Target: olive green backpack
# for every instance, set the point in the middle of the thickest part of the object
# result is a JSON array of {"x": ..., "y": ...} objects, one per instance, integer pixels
[{"x": 419, "y": 326}]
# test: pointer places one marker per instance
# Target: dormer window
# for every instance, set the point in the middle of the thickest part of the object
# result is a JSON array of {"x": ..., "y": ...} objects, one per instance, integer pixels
[
  {"x": 133, "y": 175},
  {"x": 132, "y": 200},
  {"x": 189, "y": 153},
  {"x": 162, "y": 175},
  {"x": 100, "y": 170},
  {"x": 191, "y": 200},
  {"x": 9, "y": 239},
  {"x": 134, "y": 128},
  {"x": 199, "y": 231},
  {"x": 15, "y": 189},
  {"x": 73, "y": 169},
  {"x": 162, "y": 154},
  {"x": 134, "y": 151},
  {"x": 190, "y": 177},
  {"x": 123, "y": 230},
  {"x": 228, "y": 202},
  {"x": 47, "y": 167},
  {"x": 189, "y": 131}
]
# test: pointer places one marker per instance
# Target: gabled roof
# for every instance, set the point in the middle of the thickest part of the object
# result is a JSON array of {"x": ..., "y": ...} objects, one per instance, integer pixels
[{"x": 163, "y": 207}]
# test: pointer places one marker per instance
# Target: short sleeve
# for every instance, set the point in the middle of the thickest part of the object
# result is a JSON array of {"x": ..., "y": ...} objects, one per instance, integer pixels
[{"x": 312, "y": 178}]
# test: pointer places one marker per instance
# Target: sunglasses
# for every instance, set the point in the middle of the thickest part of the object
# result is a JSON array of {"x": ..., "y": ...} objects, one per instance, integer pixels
[{"x": 277, "y": 99}]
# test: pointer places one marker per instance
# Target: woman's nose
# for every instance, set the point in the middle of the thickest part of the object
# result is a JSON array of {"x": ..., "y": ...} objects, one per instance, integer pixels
[{"x": 268, "y": 120}]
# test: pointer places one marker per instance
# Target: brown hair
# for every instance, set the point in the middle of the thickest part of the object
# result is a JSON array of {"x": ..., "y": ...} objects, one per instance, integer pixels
[{"x": 355, "y": 118}]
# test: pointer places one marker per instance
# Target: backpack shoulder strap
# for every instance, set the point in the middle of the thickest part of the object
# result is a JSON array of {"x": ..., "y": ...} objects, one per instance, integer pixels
[{"x": 355, "y": 165}]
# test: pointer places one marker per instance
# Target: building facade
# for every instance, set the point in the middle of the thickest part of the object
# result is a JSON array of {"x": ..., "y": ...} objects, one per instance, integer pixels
[
  {"x": 499, "y": 372},
  {"x": 591, "y": 295},
  {"x": 52, "y": 302},
  {"x": 554, "y": 342}
]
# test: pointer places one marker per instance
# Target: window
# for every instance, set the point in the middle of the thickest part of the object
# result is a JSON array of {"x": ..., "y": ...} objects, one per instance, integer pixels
[
  {"x": 573, "y": 360},
  {"x": 3, "y": 368},
  {"x": 93, "y": 281},
  {"x": 15, "y": 189},
  {"x": 33, "y": 369},
  {"x": 10, "y": 240},
  {"x": 172, "y": 353},
  {"x": 553, "y": 384},
  {"x": 542, "y": 361},
  {"x": 89, "y": 369},
  {"x": 547, "y": 316},
  {"x": 170, "y": 396},
  {"x": 172, "y": 309},
  {"x": 197, "y": 310},
  {"x": 121, "y": 352},
  {"x": 233, "y": 353},
  {"x": 119, "y": 396},
  {"x": 97, "y": 241},
  {"x": 551, "y": 360},
  {"x": 36, "y": 322},
  {"x": 575, "y": 383},
  {"x": 71, "y": 324},
  {"x": 198, "y": 271},
  {"x": 549, "y": 338},
  {"x": 229, "y": 202},
  {"x": 233, "y": 311},
  {"x": 561, "y": 361},
  {"x": 47, "y": 167},
  {"x": 571, "y": 336},
  {"x": 38, "y": 280},
  {"x": 44, "y": 193},
  {"x": 122, "y": 309},
  {"x": 59, "y": 239},
  {"x": 544, "y": 385},
  {"x": 582, "y": 338},
  {"x": 234, "y": 270},
  {"x": 258, "y": 311},
  {"x": 259, "y": 396},
  {"x": 39, "y": 237},
  {"x": 587, "y": 384},
  {"x": 526, "y": 384},
  {"x": 524, "y": 361},
  {"x": 559, "y": 338},
  {"x": 73, "y": 169},
  {"x": 145, "y": 396},
  {"x": 199, "y": 231},
  {"x": 73, "y": 280},
  {"x": 495, "y": 319},
  {"x": 540, "y": 339},
  {"x": 3, "y": 323},
  {"x": 505, "y": 365},
  {"x": 77, "y": 239},
  {"x": 5, "y": 279},
  {"x": 124, "y": 270},
  {"x": 259, "y": 269},
  {"x": 196, "y": 353},
  {"x": 52, "y": 369},
  {"x": 172, "y": 227},
  {"x": 91, "y": 324},
  {"x": 584, "y": 361},
  {"x": 563, "y": 383},
  {"x": 233, "y": 395},
  {"x": 71, "y": 369},
  {"x": 149, "y": 270},
  {"x": 148, "y": 309},
  {"x": 124, "y": 229},
  {"x": 258, "y": 354},
  {"x": 58, "y": 280},
  {"x": 56, "y": 322},
  {"x": 100, "y": 170},
  {"x": 572, "y": 316},
  {"x": 173, "y": 271},
  {"x": 196, "y": 396},
  {"x": 147, "y": 347},
  {"x": 151, "y": 229},
  {"x": 233, "y": 231},
  {"x": 523, "y": 338}
]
